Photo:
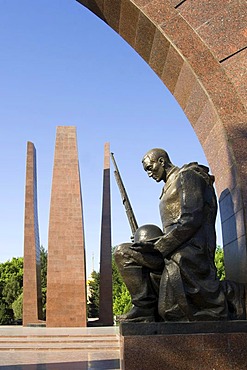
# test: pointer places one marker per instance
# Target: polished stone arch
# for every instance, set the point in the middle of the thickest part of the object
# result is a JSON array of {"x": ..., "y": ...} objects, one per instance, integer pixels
[{"x": 199, "y": 51}]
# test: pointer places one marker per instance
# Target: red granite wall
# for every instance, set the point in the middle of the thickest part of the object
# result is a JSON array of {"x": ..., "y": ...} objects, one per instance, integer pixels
[
  {"x": 105, "y": 298},
  {"x": 198, "y": 49},
  {"x": 32, "y": 297},
  {"x": 221, "y": 351},
  {"x": 66, "y": 284}
]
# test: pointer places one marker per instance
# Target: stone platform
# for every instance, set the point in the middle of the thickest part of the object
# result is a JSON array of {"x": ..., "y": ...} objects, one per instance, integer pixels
[
  {"x": 40, "y": 348},
  {"x": 184, "y": 346}
]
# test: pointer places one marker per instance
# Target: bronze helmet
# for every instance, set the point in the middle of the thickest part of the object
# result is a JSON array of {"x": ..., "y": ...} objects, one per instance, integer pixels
[{"x": 146, "y": 233}]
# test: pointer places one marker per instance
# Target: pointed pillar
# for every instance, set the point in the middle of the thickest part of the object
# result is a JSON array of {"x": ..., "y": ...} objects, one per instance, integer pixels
[
  {"x": 105, "y": 298},
  {"x": 66, "y": 272},
  {"x": 32, "y": 297}
]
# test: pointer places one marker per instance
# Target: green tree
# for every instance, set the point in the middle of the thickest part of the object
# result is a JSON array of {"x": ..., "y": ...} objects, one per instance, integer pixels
[
  {"x": 122, "y": 302},
  {"x": 11, "y": 290},
  {"x": 17, "y": 307},
  {"x": 11, "y": 286},
  {"x": 117, "y": 280},
  {"x": 219, "y": 263},
  {"x": 13, "y": 268},
  {"x": 93, "y": 294},
  {"x": 6, "y": 314},
  {"x": 121, "y": 296}
]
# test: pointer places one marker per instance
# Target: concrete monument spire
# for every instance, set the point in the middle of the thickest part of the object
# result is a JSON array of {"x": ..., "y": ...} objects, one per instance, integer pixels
[
  {"x": 105, "y": 299},
  {"x": 66, "y": 273},
  {"x": 32, "y": 297}
]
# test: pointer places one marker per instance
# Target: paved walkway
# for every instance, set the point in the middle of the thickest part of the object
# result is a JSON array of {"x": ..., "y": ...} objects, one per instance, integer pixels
[{"x": 35, "y": 348}]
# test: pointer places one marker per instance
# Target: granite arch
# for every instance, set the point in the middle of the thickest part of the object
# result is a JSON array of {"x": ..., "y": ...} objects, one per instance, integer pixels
[{"x": 199, "y": 51}]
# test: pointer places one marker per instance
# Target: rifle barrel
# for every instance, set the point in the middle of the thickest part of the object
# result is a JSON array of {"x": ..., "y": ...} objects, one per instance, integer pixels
[{"x": 129, "y": 211}]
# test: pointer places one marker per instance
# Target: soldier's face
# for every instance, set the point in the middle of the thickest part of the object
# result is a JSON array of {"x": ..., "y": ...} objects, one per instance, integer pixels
[{"x": 154, "y": 169}]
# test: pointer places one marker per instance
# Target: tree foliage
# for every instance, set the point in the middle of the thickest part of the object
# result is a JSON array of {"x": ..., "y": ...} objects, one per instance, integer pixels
[
  {"x": 93, "y": 295},
  {"x": 6, "y": 314},
  {"x": 122, "y": 302},
  {"x": 11, "y": 287},
  {"x": 17, "y": 307},
  {"x": 219, "y": 263},
  {"x": 121, "y": 296}
]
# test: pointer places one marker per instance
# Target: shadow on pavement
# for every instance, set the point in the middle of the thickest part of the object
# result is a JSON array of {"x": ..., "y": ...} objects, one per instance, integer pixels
[{"x": 80, "y": 365}]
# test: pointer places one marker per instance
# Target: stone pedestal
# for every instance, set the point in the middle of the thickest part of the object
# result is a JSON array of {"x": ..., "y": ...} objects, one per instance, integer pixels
[
  {"x": 66, "y": 288},
  {"x": 184, "y": 346}
]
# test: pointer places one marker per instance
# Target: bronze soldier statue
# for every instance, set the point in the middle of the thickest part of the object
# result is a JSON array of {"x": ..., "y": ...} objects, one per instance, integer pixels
[{"x": 171, "y": 274}]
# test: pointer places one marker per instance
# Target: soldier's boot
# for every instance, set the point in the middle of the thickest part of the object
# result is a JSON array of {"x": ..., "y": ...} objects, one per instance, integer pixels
[{"x": 143, "y": 297}]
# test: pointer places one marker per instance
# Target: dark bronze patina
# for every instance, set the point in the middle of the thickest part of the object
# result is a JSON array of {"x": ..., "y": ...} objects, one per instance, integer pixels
[{"x": 172, "y": 277}]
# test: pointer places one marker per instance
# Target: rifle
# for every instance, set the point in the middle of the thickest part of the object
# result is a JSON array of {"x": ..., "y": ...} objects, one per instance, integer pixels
[{"x": 125, "y": 199}]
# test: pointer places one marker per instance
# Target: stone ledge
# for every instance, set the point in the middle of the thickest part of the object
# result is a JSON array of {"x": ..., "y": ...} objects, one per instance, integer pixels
[
  {"x": 157, "y": 328},
  {"x": 183, "y": 346}
]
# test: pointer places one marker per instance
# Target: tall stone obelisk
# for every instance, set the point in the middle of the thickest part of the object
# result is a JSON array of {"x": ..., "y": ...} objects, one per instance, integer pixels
[
  {"x": 66, "y": 272},
  {"x": 105, "y": 297},
  {"x": 32, "y": 297}
]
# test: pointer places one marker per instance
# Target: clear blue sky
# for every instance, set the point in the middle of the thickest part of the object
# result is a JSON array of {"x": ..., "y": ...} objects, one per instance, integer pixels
[{"x": 61, "y": 65}]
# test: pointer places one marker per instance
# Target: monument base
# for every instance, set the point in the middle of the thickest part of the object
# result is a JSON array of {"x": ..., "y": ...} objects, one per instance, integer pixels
[{"x": 195, "y": 345}]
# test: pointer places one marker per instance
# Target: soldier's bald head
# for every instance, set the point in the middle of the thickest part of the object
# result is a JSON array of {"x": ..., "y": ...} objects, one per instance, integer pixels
[{"x": 154, "y": 154}]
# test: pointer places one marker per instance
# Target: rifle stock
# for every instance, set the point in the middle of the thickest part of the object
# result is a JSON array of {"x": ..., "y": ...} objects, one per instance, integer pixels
[{"x": 129, "y": 211}]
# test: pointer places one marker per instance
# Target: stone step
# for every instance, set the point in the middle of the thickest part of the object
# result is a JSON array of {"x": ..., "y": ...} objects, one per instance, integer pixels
[
  {"x": 59, "y": 342},
  {"x": 59, "y": 338}
]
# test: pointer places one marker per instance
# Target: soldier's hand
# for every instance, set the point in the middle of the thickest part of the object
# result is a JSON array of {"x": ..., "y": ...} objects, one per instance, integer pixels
[{"x": 142, "y": 247}]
